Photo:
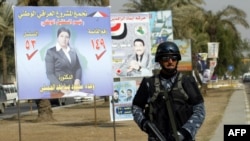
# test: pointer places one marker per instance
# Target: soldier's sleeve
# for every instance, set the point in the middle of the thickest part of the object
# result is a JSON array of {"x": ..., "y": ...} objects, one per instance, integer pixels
[
  {"x": 139, "y": 103},
  {"x": 196, "y": 120},
  {"x": 196, "y": 99}
]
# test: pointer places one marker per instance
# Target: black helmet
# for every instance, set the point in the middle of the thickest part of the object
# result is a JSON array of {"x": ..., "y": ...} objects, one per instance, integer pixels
[{"x": 167, "y": 48}]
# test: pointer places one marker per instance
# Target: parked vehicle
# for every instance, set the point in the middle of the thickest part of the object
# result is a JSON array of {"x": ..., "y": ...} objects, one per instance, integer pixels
[
  {"x": 10, "y": 91},
  {"x": 246, "y": 78},
  {"x": 79, "y": 99},
  {"x": 88, "y": 99}
]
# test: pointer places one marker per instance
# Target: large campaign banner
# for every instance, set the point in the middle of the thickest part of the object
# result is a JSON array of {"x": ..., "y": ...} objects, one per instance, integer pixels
[
  {"x": 63, "y": 51},
  {"x": 131, "y": 45},
  {"x": 121, "y": 101}
]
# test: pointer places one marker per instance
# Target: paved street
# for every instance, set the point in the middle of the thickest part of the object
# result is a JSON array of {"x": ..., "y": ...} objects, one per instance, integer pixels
[{"x": 237, "y": 111}]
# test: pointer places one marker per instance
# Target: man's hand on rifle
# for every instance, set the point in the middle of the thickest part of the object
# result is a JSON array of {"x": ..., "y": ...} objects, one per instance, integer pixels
[
  {"x": 183, "y": 135},
  {"x": 145, "y": 127},
  {"x": 150, "y": 128}
]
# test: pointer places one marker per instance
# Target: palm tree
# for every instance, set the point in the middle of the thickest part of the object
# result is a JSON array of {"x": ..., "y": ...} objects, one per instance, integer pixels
[
  {"x": 6, "y": 30},
  {"x": 228, "y": 18},
  {"x": 105, "y": 3},
  {"x": 204, "y": 26},
  {"x": 221, "y": 27},
  {"x": 37, "y": 3},
  {"x": 190, "y": 26},
  {"x": 93, "y": 2},
  {"x": 155, "y": 5}
]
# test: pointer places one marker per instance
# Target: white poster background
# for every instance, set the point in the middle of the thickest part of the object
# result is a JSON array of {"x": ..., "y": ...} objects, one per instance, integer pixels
[
  {"x": 123, "y": 106},
  {"x": 125, "y": 29},
  {"x": 213, "y": 49}
]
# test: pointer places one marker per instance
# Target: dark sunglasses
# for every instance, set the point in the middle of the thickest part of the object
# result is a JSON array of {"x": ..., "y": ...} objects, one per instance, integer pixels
[{"x": 167, "y": 58}]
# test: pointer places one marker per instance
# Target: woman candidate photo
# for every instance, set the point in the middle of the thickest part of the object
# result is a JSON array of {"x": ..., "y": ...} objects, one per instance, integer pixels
[{"x": 62, "y": 63}]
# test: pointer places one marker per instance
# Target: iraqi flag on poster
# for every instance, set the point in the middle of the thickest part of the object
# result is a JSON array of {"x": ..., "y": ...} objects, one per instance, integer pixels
[
  {"x": 213, "y": 49},
  {"x": 118, "y": 30},
  {"x": 128, "y": 31}
]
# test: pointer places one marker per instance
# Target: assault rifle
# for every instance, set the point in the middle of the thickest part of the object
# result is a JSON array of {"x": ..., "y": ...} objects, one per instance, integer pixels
[{"x": 156, "y": 132}]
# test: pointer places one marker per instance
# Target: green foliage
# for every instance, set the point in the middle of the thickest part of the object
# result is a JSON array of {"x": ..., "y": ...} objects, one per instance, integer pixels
[
  {"x": 10, "y": 56},
  {"x": 6, "y": 32}
]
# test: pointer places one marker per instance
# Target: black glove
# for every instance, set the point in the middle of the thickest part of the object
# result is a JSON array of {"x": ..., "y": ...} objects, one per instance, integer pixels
[
  {"x": 144, "y": 125},
  {"x": 181, "y": 137},
  {"x": 184, "y": 135}
]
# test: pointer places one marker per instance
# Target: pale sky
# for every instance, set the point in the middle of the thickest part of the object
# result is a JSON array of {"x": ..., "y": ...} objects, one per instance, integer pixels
[{"x": 213, "y": 5}]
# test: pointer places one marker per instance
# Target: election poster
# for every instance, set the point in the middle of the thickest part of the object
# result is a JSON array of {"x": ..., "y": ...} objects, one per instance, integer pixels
[
  {"x": 186, "y": 55},
  {"x": 121, "y": 101},
  {"x": 161, "y": 30},
  {"x": 63, "y": 51},
  {"x": 213, "y": 49},
  {"x": 131, "y": 45}
]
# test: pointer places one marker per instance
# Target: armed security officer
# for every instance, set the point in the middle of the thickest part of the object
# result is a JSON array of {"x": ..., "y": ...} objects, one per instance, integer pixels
[{"x": 169, "y": 100}]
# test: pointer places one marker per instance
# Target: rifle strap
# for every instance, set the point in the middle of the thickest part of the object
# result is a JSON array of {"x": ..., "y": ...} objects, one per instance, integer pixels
[
  {"x": 155, "y": 95},
  {"x": 171, "y": 115},
  {"x": 169, "y": 106}
]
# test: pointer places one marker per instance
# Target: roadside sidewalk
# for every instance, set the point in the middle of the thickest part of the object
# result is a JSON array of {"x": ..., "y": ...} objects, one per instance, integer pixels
[{"x": 235, "y": 113}]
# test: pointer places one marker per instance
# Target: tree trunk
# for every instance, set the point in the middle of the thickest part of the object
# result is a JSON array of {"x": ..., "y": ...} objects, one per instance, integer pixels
[
  {"x": 45, "y": 112},
  {"x": 105, "y": 2},
  {"x": 4, "y": 65},
  {"x": 1, "y": 38}
]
